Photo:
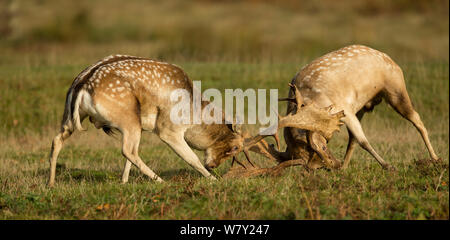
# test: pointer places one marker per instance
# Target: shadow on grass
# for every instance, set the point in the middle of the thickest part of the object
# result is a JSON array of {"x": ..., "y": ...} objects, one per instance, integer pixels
[
  {"x": 429, "y": 167},
  {"x": 65, "y": 174},
  {"x": 179, "y": 174},
  {"x": 76, "y": 174}
]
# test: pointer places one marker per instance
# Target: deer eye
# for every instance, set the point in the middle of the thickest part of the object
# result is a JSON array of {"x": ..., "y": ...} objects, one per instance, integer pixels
[{"x": 233, "y": 150}]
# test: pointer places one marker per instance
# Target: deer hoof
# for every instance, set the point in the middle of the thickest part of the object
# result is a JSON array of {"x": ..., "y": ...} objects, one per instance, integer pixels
[
  {"x": 437, "y": 160},
  {"x": 343, "y": 167},
  {"x": 211, "y": 177},
  {"x": 390, "y": 168}
]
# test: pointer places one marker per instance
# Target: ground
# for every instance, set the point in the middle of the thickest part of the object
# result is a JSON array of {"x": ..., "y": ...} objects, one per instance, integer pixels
[{"x": 37, "y": 67}]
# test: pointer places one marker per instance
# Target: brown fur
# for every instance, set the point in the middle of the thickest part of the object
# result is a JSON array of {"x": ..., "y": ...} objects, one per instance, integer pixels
[
  {"x": 129, "y": 94},
  {"x": 354, "y": 79}
]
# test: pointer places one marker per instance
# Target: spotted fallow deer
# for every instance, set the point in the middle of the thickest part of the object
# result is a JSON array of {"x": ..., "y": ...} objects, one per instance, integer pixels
[
  {"x": 132, "y": 94},
  {"x": 354, "y": 79}
]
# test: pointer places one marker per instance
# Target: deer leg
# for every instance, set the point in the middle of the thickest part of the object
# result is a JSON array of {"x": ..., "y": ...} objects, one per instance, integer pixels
[
  {"x": 415, "y": 119},
  {"x": 56, "y": 148},
  {"x": 355, "y": 128},
  {"x": 178, "y": 144},
  {"x": 130, "y": 149},
  {"x": 351, "y": 143},
  {"x": 148, "y": 118},
  {"x": 126, "y": 172},
  {"x": 402, "y": 104},
  {"x": 350, "y": 148}
]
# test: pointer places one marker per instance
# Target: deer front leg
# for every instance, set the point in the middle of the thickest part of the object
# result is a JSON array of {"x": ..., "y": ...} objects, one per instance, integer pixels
[
  {"x": 354, "y": 126},
  {"x": 350, "y": 148},
  {"x": 351, "y": 143},
  {"x": 176, "y": 141}
]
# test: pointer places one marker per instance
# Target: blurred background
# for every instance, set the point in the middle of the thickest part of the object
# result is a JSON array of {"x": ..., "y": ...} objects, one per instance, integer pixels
[
  {"x": 44, "y": 44},
  {"x": 208, "y": 30}
]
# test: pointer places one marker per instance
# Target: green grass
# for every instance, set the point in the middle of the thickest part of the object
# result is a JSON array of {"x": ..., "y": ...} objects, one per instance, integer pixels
[
  {"x": 244, "y": 44},
  {"x": 88, "y": 176}
]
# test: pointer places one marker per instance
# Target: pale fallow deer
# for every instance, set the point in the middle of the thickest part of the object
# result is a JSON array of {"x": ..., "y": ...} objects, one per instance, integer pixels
[
  {"x": 132, "y": 94},
  {"x": 354, "y": 79}
]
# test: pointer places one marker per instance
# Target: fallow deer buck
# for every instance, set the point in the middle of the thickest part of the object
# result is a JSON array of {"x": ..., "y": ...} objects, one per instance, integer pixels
[
  {"x": 133, "y": 94},
  {"x": 354, "y": 79}
]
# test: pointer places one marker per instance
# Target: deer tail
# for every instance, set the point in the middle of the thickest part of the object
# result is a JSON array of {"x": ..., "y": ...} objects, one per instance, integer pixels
[
  {"x": 71, "y": 118},
  {"x": 76, "y": 113}
]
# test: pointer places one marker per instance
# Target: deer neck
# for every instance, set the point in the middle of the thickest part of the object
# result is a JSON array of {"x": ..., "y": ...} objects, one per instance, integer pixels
[{"x": 202, "y": 136}]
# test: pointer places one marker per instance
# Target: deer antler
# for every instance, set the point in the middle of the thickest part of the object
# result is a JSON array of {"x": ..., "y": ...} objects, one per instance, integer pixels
[
  {"x": 310, "y": 117},
  {"x": 307, "y": 117},
  {"x": 268, "y": 150}
]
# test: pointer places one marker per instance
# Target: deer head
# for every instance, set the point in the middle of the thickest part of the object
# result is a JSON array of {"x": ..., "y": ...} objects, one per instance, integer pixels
[{"x": 227, "y": 145}]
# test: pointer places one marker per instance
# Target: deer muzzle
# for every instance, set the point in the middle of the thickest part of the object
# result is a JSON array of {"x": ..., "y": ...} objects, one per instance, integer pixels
[{"x": 210, "y": 166}]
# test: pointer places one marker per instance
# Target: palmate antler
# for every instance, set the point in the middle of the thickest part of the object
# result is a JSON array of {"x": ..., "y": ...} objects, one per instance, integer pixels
[
  {"x": 319, "y": 121},
  {"x": 306, "y": 117}
]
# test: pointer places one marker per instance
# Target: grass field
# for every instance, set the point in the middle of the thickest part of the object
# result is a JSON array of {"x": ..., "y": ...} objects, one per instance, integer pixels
[{"x": 38, "y": 64}]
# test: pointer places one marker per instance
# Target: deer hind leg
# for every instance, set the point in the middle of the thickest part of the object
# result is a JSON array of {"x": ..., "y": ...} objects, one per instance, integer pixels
[
  {"x": 130, "y": 148},
  {"x": 126, "y": 171},
  {"x": 351, "y": 143},
  {"x": 354, "y": 126},
  {"x": 178, "y": 144},
  {"x": 148, "y": 119},
  {"x": 57, "y": 144},
  {"x": 400, "y": 101}
]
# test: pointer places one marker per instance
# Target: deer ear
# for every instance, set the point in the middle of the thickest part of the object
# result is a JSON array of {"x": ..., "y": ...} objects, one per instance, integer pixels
[{"x": 236, "y": 128}]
